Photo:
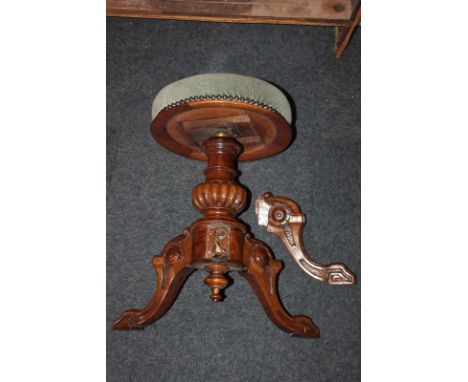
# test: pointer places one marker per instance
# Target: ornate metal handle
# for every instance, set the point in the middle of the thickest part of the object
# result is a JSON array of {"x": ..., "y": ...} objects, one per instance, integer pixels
[{"x": 283, "y": 217}]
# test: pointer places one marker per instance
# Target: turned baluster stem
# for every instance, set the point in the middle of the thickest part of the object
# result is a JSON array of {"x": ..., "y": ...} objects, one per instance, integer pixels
[
  {"x": 222, "y": 155},
  {"x": 220, "y": 195}
]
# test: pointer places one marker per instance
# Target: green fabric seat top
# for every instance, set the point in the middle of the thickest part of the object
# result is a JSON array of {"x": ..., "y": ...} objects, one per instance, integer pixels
[{"x": 223, "y": 84}]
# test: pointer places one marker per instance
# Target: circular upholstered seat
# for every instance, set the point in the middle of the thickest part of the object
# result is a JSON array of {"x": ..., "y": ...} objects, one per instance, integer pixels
[
  {"x": 252, "y": 111},
  {"x": 226, "y": 86}
]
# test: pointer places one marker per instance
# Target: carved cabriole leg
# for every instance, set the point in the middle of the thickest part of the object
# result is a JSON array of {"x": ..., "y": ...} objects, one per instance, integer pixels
[
  {"x": 172, "y": 270},
  {"x": 261, "y": 273}
]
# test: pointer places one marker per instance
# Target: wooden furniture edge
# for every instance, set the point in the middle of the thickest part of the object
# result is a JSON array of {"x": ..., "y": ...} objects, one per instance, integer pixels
[
  {"x": 344, "y": 33},
  {"x": 238, "y": 19}
]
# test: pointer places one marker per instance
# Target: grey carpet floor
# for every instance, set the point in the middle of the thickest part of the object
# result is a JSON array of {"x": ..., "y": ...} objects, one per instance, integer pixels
[{"x": 149, "y": 202}]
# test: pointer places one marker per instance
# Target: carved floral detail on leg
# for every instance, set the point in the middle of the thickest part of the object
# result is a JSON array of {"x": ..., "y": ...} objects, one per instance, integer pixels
[
  {"x": 261, "y": 273},
  {"x": 283, "y": 218},
  {"x": 172, "y": 270}
]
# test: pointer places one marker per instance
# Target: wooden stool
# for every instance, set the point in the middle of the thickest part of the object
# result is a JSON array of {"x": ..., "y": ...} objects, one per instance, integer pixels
[{"x": 222, "y": 119}]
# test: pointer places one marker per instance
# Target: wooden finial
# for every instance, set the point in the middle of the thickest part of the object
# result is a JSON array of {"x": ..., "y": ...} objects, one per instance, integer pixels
[{"x": 216, "y": 281}]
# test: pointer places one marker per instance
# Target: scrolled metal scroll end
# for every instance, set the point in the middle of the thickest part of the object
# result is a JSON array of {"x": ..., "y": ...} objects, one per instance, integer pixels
[
  {"x": 341, "y": 275},
  {"x": 283, "y": 217}
]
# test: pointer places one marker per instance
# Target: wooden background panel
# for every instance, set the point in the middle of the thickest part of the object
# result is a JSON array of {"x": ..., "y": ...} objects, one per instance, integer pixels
[{"x": 327, "y": 12}]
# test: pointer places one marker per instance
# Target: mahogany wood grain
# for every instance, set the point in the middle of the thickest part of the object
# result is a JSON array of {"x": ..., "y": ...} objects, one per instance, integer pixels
[
  {"x": 183, "y": 128},
  {"x": 172, "y": 270},
  {"x": 262, "y": 273}
]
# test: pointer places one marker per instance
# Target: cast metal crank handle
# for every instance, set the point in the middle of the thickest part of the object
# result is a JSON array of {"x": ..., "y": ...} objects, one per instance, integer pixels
[{"x": 283, "y": 217}]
